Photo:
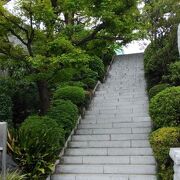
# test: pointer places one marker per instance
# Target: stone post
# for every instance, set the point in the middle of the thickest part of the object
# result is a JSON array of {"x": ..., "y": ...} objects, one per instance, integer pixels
[
  {"x": 178, "y": 34},
  {"x": 3, "y": 144},
  {"x": 175, "y": 155}
]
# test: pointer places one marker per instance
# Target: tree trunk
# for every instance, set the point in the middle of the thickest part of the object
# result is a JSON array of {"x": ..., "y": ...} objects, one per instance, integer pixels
[{"x": 44, "y": 96}]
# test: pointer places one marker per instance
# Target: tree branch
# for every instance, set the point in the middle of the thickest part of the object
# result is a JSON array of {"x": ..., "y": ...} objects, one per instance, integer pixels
[{"x": 92, "y": 35}]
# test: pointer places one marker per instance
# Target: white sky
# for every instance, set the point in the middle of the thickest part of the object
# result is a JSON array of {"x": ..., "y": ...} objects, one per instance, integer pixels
[{"x": 133, "y": 47}]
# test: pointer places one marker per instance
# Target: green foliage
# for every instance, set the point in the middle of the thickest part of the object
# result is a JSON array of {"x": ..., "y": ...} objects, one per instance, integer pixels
[
  {"x": 174, "y": 73},
  {"x": 157, "y": 88},
  {"x": 15, "y": 175},
  {"x": 97, "y": 65},
  {"x": 65, "y": 113},
  {"x": 89, "y": 82},
  {"x": 39, "y": 141},
  {"x": 73, "y": 93},
  {"x": 165, "y": 108},
  {"x": 161, "y": 141},
  {"x": 158, "y": 55},
  {"x": 5, "y": 108}
]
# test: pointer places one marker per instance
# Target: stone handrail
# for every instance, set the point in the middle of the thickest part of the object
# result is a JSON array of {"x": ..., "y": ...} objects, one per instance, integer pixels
[
  {"x": 3, "y": 142},
  {"x": 175, "y": 155}
]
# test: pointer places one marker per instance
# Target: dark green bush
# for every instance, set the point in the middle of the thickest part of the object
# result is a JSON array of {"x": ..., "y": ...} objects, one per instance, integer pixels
[
  {"x": 65, "y": 113},
  {"x": 97, "y": 65},
  {"x": 73, "y": 83},
  {"x": 89, "y": 82},
  {"x": 84, "y": 73},
  {"x": 5, "y": 108},
  {"x": 157, "y": 88},
  {"x": 157, "y": 57},
  {"x": 174, "y": 73},
  {"x": 40, "y": 139},
  {"x": 161, "y": 141},
  {"x": 165, "y": 108},
  {"x": 73, "y": 93}
]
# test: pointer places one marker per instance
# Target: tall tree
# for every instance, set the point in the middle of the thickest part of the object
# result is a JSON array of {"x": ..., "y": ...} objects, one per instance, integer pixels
[{"x": 44, "y": 31}]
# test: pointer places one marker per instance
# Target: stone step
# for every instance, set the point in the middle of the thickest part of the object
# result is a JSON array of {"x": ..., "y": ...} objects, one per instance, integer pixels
[
  {"x": 115, "y": 125},
  {"x": 110, "y": 144},
  {"x": 107, "y": 169},
  {"x": 111, "y": 137},
  {"x": 108, "y": 152},
  {"x": 112, "y": 131},
  {"x": 102, "y": 177},
  {"x": 138, "y": 160}
]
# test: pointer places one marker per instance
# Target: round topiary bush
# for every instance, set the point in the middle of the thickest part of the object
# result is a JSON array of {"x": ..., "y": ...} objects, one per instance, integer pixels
[
  {"x": 65, "y": 113},
  {"x": 72, "y": 93},
  {"x": 165, "y": 108},
  {"x": 161, "y": 141},
  {"x": 96, "y": 64},
  {"x": 40, "y": 139},
  {"x": 89, "y": 82},
  {"x": 156, "y": 89}
]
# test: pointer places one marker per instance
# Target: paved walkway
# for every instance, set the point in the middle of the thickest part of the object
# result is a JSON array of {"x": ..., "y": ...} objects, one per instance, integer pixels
[{"x": 111, "y": 143}]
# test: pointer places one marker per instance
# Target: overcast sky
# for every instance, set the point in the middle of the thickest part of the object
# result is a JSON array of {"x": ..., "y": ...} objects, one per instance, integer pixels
[{"x": 133, "y": 47}]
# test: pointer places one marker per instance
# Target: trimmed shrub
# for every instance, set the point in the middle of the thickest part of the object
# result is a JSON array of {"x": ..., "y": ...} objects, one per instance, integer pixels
[
  {"x": 96, "y": 64},
  {"x": 39, "y": 142},
  {"x": 72, "y": 93},
  {"x": 89, "y": 82},
  {"x": 65, "y": 113},
  {"x": 156, "y": 89},
  {"x": 165, "y": 108},
  {"x": 72, "y": 83},
  {"x": 174, "y": 73},
  {"x": 5, "y": 108},
  {"x": 161, "y": 141}
]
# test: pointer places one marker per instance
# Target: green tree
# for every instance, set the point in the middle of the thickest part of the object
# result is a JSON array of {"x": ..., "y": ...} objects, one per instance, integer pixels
[{"x": 47, "y": 31}]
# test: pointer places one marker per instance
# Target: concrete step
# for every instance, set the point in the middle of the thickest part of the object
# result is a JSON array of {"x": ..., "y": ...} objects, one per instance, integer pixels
[
  {"x": 112, "y": 131},
  {"x": 107, "y": 169},
  {"x": 109, "y": 144},
  {"x": 108, "y": 152},
  {"x": 115, "y": 125},
  {"x": 115, "y": 137},
  {"x": 102, "y": 177},
  {"x": 138, "y": 160}
]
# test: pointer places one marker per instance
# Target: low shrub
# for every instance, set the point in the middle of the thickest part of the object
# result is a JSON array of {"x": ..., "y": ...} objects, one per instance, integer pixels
[
  {"x": 72, "y": 93},
  {"x": 73, "y": 83},
  {"x": 161, "y": 141},
  {"x": 5, "y": 108},
  {"x": 89, "y": 82},
  {"x": 157, "y": 88},
  {"x": 165, "y": 108},
  {"x": 65, "y": 113},
  {"x": 96, "y": 64},
  {"x": 38, "y": 143}
]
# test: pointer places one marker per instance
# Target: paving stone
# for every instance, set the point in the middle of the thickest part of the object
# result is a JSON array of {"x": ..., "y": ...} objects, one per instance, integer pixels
[
  {"x": 101, "y": 144},
  {"x": 105, "y": 131},
  {"x": 135, "y": 124},
  {"x": 130, "y": 169},
  {"x": 86, "y": 152},
  {"x": 140, "y": 143},
  {"x": 90, "y": 137},
  {"x": 130, "y": 151},
  {"x": 142, "y": 160},
  {"x": 118, "y": 137}
]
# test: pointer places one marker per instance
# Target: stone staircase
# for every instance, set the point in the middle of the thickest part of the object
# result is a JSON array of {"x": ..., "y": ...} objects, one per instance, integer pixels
[{"x": 111, "y": 142}]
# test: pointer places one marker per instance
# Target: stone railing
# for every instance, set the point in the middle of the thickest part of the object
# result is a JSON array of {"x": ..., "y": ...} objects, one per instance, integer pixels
[
  {"x": 175, "y": 155},
  {"x": 3, "y": 142}
]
